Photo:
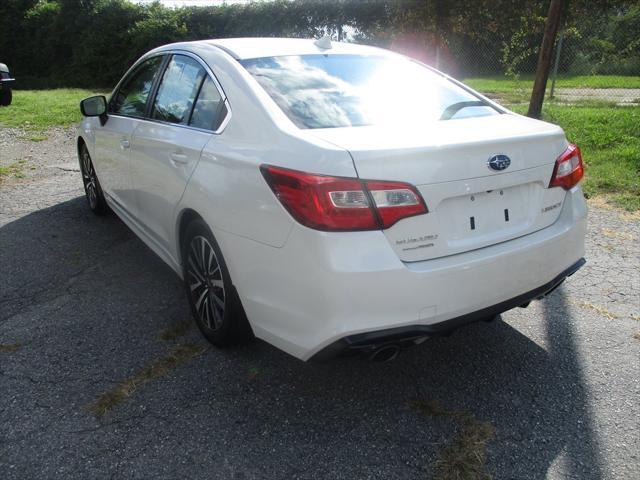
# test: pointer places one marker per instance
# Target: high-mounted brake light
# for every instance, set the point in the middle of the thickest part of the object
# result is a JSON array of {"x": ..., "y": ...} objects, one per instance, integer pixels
[
  {"x": 342, "y": 204},
  {"x": 568, "y": 170}
]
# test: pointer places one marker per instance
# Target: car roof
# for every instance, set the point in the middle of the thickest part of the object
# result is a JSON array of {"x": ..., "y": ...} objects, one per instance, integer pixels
[{"x": 244, "y": 48}]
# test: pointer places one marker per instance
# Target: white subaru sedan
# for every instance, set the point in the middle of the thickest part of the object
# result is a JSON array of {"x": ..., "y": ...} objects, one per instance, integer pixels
[{"x": 332, "y": 198}]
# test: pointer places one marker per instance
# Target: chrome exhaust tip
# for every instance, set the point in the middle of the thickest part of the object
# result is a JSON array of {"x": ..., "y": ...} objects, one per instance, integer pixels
[{"x": 386, "y": 353}]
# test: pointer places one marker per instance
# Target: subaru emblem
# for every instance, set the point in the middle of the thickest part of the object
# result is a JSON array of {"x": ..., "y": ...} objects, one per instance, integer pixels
[{"x": 498, "y": 162}]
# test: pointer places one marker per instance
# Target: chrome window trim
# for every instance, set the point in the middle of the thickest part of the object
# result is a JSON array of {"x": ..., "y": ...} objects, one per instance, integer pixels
[{"x": 209, "y": 72}]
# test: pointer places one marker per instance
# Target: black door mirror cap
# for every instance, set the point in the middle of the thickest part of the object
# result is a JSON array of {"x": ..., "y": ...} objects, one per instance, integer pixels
[{"x": 95, "y": 106}]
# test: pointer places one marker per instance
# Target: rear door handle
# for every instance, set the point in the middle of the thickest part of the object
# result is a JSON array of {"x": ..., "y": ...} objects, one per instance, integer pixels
[
  {"x": 179, "y": 158},
  {"x": 124, "y": 143}
]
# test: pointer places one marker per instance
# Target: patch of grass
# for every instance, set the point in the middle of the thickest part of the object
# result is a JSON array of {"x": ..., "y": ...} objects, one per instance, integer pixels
[
  {"x": 610, "y": 142},
  {"x": 9, "y": 347},
  {"x": 15, "y": 170},
  {"x": 177, "y": 330},
  {"x": 465, "y": 458},
  {"x": 37, "y": 110},
  {"x": 609, "y": 138},
  {"x": 157, "y": 368},
  {"x": 500, "y": 84}
]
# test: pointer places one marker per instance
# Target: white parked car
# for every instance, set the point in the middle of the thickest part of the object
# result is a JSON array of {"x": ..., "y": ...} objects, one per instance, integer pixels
[{"x": 332, "y": 198}]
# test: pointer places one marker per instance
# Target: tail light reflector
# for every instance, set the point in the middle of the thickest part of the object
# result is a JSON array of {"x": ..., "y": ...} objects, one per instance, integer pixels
[
  {"x": 342, "y": 204},
  {"x": 569, "y": 169},
  {"x": 395, "y": 201}
]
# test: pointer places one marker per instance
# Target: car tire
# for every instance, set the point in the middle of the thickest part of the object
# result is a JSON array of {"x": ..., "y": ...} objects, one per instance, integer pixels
[
  {"x": 92, "y": 189},
  {"x": 214, "y": 301},
  {"x": 5, "y": 97}
]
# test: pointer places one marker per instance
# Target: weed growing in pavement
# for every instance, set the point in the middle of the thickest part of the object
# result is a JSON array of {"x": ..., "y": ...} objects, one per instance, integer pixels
[
  {"x": 15, "y": 169},
  {"x": 177, "y": 330},
  {"x": 465, "y": 457},
  {"x": 9, "y": 347},
  {"x": 176, "y": 357}
]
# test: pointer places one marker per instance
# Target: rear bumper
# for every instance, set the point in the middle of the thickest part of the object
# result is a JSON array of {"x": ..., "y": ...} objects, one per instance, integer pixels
[
  {"x": 412, "y": 334},
  {"x": 322, "y": 290}
]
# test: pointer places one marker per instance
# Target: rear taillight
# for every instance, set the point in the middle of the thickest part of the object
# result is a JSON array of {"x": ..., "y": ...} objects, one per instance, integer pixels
[
  {"x": 395, "y": 201},
  {"x": 568, "y": 170},
  {"x": 342, "y": 204}
]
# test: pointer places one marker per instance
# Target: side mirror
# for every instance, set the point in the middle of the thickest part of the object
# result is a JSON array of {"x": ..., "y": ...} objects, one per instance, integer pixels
[{"x": 94, "y": 107}]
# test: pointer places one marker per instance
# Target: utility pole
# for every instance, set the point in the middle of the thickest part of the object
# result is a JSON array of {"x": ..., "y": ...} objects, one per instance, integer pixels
[
  {"x": 556, "y": 63},
  {"x": 545, "y": 56}
]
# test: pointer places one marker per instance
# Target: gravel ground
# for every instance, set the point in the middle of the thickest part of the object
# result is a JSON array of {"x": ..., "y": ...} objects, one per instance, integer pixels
[
  {"x": 621, "y": 96},
  {"x": 83, "y": 308}
]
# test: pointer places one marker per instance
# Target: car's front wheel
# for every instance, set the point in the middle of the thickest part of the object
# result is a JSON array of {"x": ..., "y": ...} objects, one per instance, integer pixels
[
  {"x": 6, "y": 96},
  {"x": 92, "y": 188},
  {"x": 215, "y": 304}
]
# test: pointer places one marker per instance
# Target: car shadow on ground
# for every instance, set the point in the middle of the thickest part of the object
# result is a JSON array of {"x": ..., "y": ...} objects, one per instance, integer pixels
[{"x": 84, "y": 302}]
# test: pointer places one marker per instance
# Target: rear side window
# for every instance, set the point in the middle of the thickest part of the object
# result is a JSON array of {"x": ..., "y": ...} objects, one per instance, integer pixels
[
  {"x": 177, "y": 92},
  {"x": 209, "y": 110},
  {"x": 131, "y": 98}
]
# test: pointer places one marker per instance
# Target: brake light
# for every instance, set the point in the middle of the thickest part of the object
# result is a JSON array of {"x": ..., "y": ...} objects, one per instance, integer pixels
[
  {"x": 342, "y": 204},
  {"x": 568, "y": 170}
]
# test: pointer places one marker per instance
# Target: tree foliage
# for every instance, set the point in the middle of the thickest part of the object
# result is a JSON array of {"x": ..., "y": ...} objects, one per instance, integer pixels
[{"x": 89, "y": 43}]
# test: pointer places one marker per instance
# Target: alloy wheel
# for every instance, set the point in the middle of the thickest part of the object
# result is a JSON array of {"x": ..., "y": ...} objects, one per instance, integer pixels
[
  {"x": 206, "y": 284},
  {"x": 90, "y": 180}
]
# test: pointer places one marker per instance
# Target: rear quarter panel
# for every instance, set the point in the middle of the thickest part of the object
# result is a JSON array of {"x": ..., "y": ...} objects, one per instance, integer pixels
[{"x": 227, "y": 188}]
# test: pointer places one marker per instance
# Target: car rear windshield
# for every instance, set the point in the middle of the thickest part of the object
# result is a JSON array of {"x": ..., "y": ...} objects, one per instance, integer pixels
[{"x": 328, "y": 91}]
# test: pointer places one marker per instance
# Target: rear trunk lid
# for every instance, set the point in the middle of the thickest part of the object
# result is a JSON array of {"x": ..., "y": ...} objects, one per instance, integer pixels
[{"x": 470, "y": 204}]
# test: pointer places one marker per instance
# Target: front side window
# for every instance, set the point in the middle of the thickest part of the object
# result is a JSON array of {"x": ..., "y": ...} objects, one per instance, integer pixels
[
  {"x": 131, "y": 98},
  {"x": 328, "y": 91},
  {"x": 180, "y": 85}
]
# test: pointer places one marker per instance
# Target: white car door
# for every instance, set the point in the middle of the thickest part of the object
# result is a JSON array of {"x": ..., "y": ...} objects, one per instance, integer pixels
[
  {"x": 166, "y": 147},
  {"x": 113, "y": 139}
]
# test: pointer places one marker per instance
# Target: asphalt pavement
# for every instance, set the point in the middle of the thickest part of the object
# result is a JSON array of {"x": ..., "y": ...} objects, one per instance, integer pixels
[{"x": 88, "y": 314}]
